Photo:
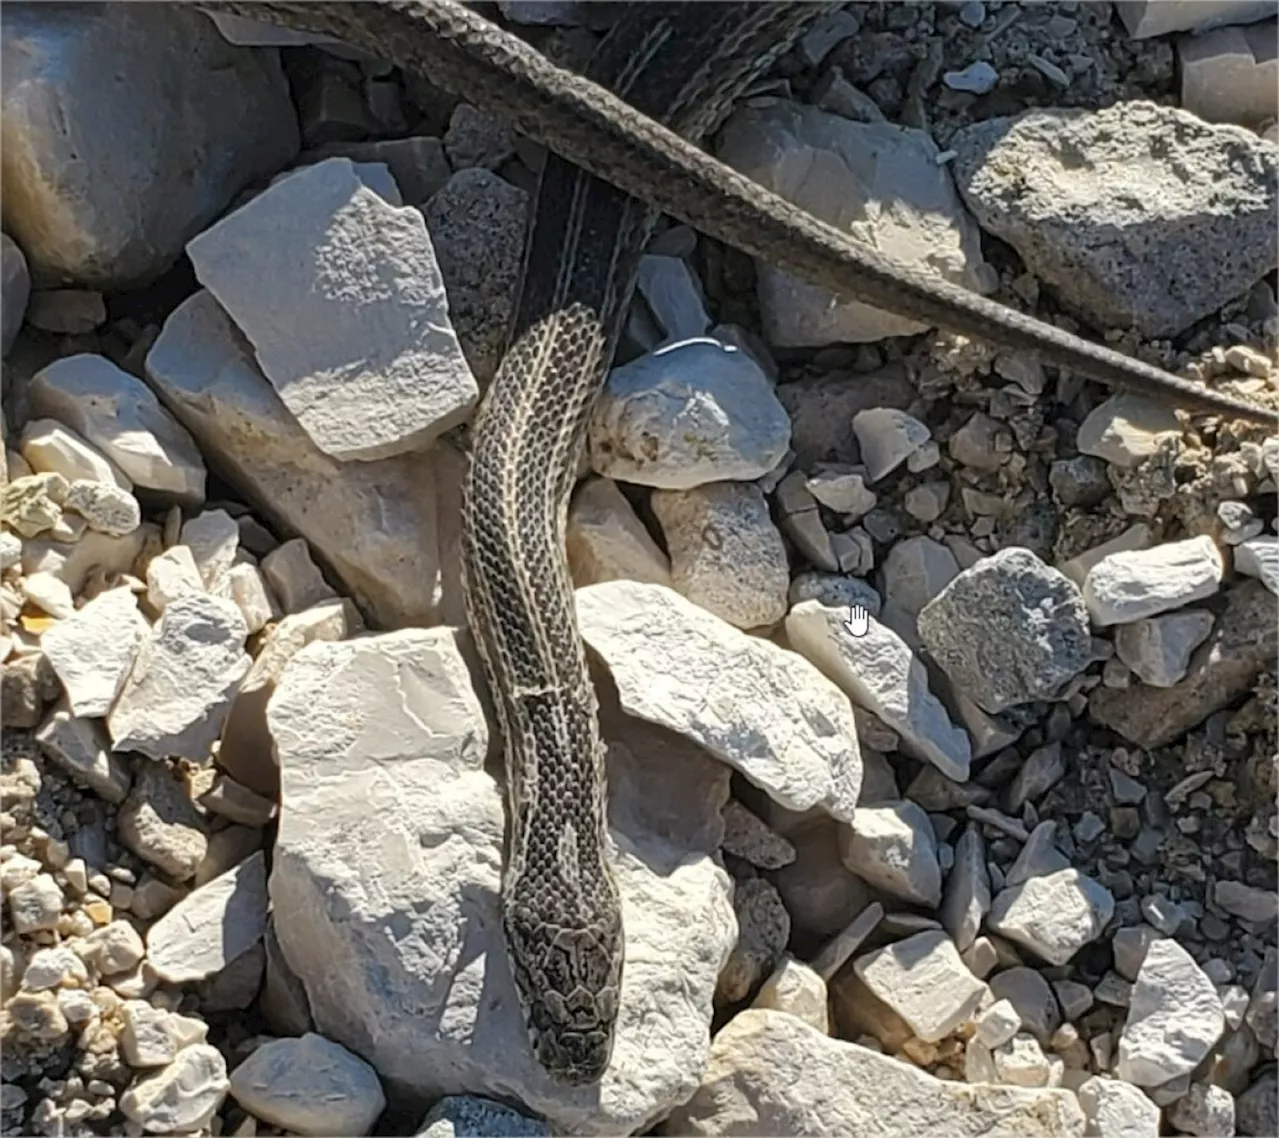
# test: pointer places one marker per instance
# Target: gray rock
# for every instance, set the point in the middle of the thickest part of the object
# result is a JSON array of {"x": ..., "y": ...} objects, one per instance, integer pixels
[
  {"x": 130, "y": 127},
  {"x": 213, "y": 926},
  {"x": 1158, "y": 650},
  {"x": 161, "y": 824},
  {"x": 15, "y": 289},
  {"x": 1031, "y": 997},
  {"x": 309, "y": 1086},
  {"x": 1063, "y": 188},
  {"x": 966, "y": 899},
  {"x": 1257, "y": 1115},
  {"x": 466, "y": 1116},
  {"x": 477, "y": 224},
  {"x": 726, "y": 553},
  {"x": 1009, "y": 630},
  {"x": 81, "y": 748},
  {"x": 1224, "y": 667}
]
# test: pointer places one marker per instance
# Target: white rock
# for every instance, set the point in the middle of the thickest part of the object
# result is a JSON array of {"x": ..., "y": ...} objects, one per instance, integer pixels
[
  {"x": 1054, "y": 916},
  {"x": 1259, "y": 557},
  {"x": 309, "y": 1086},
  {"x": 106, "y": 507},
  {"x": 246, "y": 751},
  {"x": 1206, "y": 1109},
  {"x": 923, "y": 979},
  {"x": 246, "y": 586},
  {"x": 1175, "y": 1018},
  {"x": 1125, "y": 429},
  {"x": 182, "y": 1097},
  {"x": 770, "y": 1073},
  {"x": 692, "y": 412},
  {"x": 47, "y": 445},
  {"x": 209, "y": 928},
  {"x": 1118, "y": 1110},
  {"x": 997, "y": 1024},
  {"x": 213, "y": 538},
  {"x": 727, "y": 555},
  {"x": 1159, "y": 648},
  {"x": 53, "y": 968},
  {"x": 605, "y": 541},
  {"x": 1124, "y": 587},
  {"x": 1020, "y": 1062},
  {"x": 170, "y": 575},
  {"x": 892, "y": 847},
  {"x": 147, "y": 1040},
  {"x": 50, "y": 594},
  {"x": 1137, "y": 536},
  {"x": 363, "y": 354},
  {"x": 887, "y": 437},
  {"x": 767, "y": 712},
  {"x": 94, "y": 649},
  {"x": 797, "y": 989},
  {"x": 119, "y": 415},
  {"x": 10, "y": 550},
  {"x": 183, "y": 681},
  {"x": 880, "y": 673},
  {"x": 391, "y": 721},
  {"x": 115, "y": 948},
  {"x": 374, "y": 523},
  {"x": 879, "y": 182}
]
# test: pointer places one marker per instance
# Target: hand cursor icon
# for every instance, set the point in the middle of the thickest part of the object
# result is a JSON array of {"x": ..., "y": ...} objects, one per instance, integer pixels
[{"x": 859, "y": 621}]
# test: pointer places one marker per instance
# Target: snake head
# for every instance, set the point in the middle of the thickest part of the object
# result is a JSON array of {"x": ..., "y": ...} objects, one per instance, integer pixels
[{"x": 568, "y": 978}]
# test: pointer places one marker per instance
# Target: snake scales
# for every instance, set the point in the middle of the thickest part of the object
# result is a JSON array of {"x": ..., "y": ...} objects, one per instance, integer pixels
[{"x": 614, "y": 165}]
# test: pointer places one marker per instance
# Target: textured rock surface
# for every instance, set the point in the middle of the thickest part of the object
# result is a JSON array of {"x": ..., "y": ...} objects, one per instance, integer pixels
[
  {"x": 766, "y": 711},
  {"x": 691, "y": 412},
  {"x": 341, "y": 296},
  {"x": 1135, "y": 214},
  {"x": 410, "y": 891},
  {"x": 1008, "y": 630},
  {"x": 770, "y": 1073},
  {"x": 1175, "y": 1017}
]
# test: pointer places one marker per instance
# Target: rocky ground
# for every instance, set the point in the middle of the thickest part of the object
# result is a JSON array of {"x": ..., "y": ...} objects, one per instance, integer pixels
[{"x": 999, "y": 858}]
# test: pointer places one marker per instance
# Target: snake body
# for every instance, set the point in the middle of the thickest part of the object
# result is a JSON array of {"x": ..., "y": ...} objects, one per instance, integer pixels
[
  {"x": 562, "y": 918},
  {"x": 622, "y": 140}
]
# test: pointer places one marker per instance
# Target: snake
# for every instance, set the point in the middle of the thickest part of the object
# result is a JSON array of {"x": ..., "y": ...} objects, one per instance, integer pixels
[{"x": 622, "y": 141}]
